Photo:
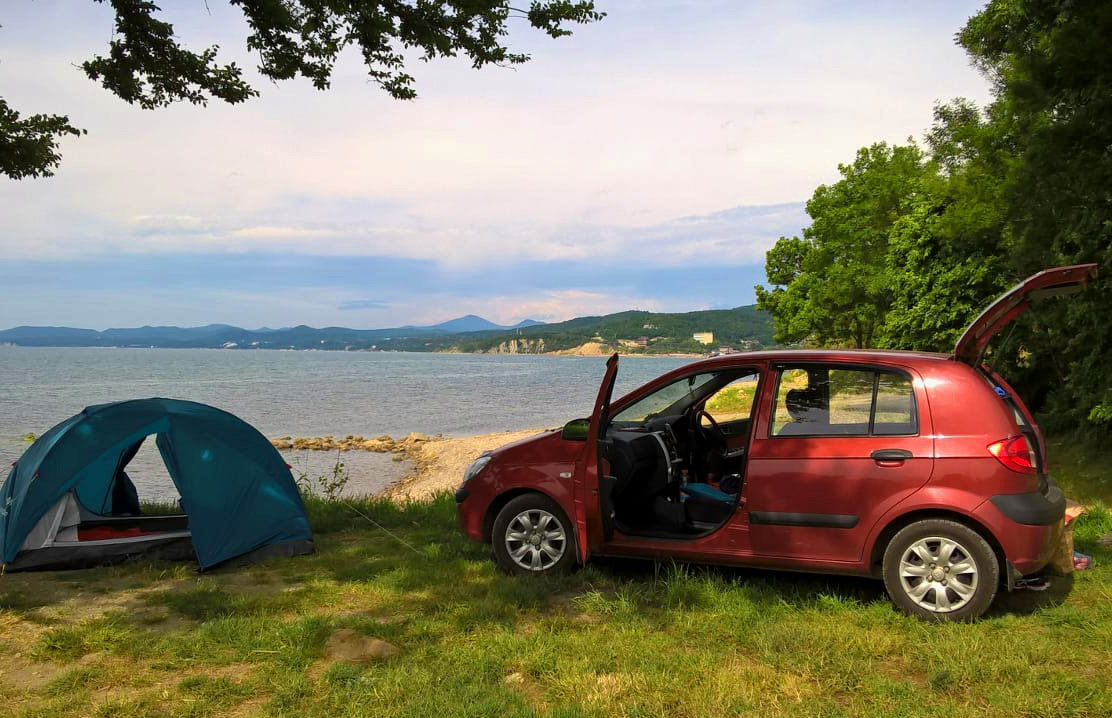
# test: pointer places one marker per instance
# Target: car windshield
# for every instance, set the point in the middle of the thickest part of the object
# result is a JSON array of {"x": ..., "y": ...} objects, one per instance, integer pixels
[{"x": 672, "y": 398}]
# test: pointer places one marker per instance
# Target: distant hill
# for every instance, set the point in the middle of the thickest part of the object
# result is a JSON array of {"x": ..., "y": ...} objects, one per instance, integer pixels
[
  {"x": 220, "y": 335},
  {"x": 635, "y": 332},
  {"x": 743, "y": 327}
]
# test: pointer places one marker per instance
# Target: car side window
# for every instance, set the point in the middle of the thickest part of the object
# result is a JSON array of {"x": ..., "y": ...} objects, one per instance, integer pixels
[
  {"x": 733, "y": 402},
  {"x": 851, "y": 400},
  {"x": 816, "y": 400},
  {"x": 895, "y": 406}
]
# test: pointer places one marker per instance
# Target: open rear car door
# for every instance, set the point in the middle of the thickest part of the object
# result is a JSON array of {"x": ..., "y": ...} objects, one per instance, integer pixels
[
  {"x": 593, "y": 523},
  {"x": 1047, "y": 283}
]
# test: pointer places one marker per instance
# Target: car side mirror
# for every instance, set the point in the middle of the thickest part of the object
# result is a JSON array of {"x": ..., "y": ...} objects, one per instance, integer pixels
[{"x": 576, "y": 430}]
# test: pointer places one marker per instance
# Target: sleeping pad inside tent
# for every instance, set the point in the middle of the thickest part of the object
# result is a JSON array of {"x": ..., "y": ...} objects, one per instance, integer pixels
[{"x": 68, "y": 501}]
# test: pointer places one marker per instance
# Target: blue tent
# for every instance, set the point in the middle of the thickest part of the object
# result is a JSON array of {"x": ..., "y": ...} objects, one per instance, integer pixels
[{"x": 239, "y": 496}]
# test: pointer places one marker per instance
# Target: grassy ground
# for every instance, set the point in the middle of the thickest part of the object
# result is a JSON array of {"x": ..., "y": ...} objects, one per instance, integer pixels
[
  {"x": 1083, "y": 467},
  {"x": 629, "y": 639}
]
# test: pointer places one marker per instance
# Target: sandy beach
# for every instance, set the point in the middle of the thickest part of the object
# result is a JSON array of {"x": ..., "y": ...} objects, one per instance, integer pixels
[{"x": 439, "y": 463}]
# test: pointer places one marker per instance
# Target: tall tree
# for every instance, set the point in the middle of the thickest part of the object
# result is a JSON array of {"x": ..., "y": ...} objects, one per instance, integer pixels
[
  {"x": 148, "y": 67},
  {"x": 832, "y": 286},
  {"x": 1052, "y": 73},
  {"x": 946, "y": 256}
]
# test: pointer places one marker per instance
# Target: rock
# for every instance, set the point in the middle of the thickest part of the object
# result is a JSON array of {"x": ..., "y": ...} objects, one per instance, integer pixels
[
  {"x": 416, "y": 437},
  {"x": 378, "y": 445},
  {"x": 350, "y": 646}
]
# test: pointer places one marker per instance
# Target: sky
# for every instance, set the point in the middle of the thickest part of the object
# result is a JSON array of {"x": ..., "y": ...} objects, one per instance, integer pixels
[{"x": 646, "y": 162}]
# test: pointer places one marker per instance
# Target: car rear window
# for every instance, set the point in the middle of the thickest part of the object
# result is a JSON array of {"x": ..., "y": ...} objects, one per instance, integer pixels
[{"x": 818, "y": 400}]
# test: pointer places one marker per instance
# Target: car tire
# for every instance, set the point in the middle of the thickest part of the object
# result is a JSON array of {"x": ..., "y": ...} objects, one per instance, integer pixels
[
  {"x": 532, "y": 536},
  {"x": 941, "y": 570}
]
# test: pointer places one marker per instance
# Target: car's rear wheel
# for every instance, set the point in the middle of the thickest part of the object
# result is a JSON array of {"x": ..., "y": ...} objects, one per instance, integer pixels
[
  {"x": 532, "y": 536},
  {"x": 941, "y": 570}
]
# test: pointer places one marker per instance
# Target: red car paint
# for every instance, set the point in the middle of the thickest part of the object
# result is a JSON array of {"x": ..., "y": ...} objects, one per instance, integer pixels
[{"x": 948, "y": 471}]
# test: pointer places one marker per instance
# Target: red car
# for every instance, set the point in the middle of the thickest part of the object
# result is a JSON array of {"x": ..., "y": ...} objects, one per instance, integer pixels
[{"x": 923, "y": 469}]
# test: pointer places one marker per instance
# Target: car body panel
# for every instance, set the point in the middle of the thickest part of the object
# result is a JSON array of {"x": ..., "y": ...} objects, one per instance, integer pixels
[
  {"x": 589, "y": 521},
  {"x": 545, "y": 463},
  {"x": 789, "y": 475}
]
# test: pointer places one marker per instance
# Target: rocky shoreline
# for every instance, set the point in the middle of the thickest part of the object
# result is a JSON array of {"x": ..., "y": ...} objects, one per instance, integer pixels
[
  {"x": 438, "y": 461},
  {"x": 380, "y": 444}
]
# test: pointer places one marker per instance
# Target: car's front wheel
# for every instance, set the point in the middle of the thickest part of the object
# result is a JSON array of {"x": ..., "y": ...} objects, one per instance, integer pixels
[
  {"x": 532, "y": 536},
  {"x": 941, "y": 570}
]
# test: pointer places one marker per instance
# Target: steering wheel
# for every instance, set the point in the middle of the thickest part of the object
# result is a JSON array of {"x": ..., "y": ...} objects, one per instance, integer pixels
[{"x": 713, "y": 434}]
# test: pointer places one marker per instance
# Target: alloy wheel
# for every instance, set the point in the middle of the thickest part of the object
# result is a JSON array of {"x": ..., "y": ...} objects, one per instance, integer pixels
[
  {"x": 939, "y": 574},
  {"x": 535, "y": 539}
]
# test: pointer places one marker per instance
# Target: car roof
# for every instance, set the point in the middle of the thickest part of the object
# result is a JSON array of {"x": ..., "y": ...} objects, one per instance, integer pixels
[{"x": 794, "y": 355}]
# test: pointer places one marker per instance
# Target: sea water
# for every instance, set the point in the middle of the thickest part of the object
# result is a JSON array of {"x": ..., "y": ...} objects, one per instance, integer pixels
[{"x": 309, "y": 393}]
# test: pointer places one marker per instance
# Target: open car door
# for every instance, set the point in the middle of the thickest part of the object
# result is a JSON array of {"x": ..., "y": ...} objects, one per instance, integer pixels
[
  {"x": 1005, "y": 310},
  {"x": 592, "y": 521}
]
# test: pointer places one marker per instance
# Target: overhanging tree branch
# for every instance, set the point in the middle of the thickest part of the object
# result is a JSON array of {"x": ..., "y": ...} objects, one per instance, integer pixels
[
  {"x": 29, "y": 147},
  {"x": 147, "y": 66}
]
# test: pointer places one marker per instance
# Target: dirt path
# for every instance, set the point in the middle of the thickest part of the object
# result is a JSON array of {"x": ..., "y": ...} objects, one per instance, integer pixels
[{"x": 440, "y": 462}]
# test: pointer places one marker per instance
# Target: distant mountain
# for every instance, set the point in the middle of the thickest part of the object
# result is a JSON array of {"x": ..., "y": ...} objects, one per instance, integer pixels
[
  {"x": 224, "y": 335},
  {"x": 20, "y": 335},
  {"x": 473, "y": 323},
  {"x": 629, "y": 332}
]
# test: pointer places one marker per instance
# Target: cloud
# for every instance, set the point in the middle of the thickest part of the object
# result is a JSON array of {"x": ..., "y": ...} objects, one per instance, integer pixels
[
  {"x": 648, "y": 160},
  {"x": 737, "y": 235},
  {"x": 357, "y": 304}
]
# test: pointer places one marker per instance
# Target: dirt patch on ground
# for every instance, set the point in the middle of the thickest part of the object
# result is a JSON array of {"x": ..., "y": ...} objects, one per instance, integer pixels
[
  {"x": 528, "y": 688},
  {"x": 351, "y": 646},
  {"x": 348, "y": 646},
  {"x": 27, "y": 675},
  {"x": 439, "y": 463}
]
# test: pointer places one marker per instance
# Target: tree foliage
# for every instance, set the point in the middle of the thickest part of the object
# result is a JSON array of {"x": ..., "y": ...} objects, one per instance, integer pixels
[
  {"x": 1053, "y": 76},
  {"x": 831, "y": 286},
  {"x": 1000, "y": 194},
  {"x": 147, "y": 66},
  {"x": 28, "y": 146}
]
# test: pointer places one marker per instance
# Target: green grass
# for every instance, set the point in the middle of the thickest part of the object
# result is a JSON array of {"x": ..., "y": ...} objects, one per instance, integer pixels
[
  {"x": 1082, "y": 467},
  {"x": 613, "y": 639}
]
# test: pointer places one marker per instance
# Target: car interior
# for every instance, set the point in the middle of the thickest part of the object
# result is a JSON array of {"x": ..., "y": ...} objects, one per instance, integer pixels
[{"x": 673, "y": 462}]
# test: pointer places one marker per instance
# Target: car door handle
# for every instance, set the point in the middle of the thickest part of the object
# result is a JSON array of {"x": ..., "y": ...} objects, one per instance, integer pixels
[{"x": 890, "y": 455}]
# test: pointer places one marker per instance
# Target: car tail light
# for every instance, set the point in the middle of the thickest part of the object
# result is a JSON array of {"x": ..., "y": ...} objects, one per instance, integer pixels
[{"x": 1014, "y": 453}]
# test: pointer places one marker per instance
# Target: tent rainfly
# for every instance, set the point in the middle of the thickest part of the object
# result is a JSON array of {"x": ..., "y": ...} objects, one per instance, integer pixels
[{"x": 68, "y": 501}]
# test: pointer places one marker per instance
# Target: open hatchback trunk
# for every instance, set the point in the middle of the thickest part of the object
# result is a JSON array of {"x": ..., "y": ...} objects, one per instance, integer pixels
[{"x": 971, "y": 347}]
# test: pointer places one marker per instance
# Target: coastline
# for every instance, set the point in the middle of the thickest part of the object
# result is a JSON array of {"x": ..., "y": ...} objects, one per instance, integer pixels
[{"x": 438, "y": 461}]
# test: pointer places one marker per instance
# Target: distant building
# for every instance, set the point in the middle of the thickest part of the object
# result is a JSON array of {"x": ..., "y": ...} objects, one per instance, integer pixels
[
  {"x": 725, "y": 350},
  {"x": 703, "y": 337},
  {"x": 648, "y": 326},
  {"x": 642, "y": 341}
]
